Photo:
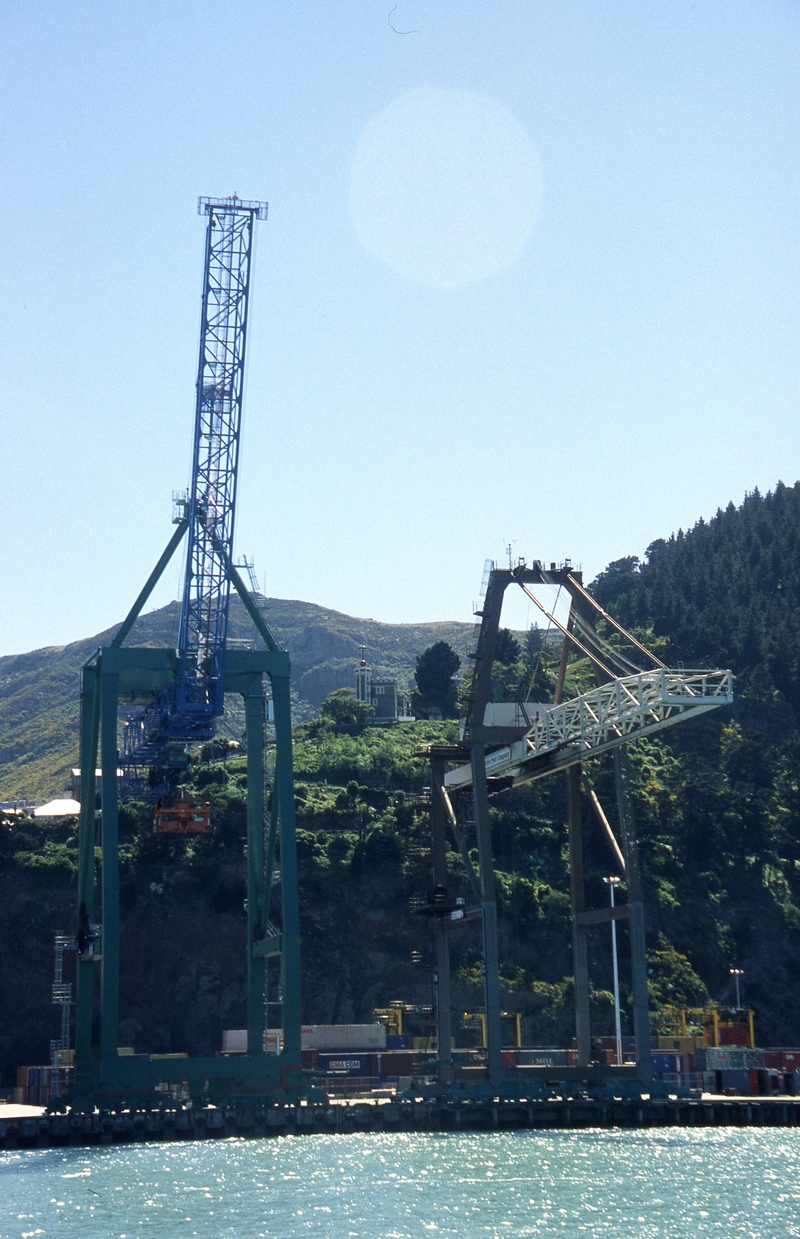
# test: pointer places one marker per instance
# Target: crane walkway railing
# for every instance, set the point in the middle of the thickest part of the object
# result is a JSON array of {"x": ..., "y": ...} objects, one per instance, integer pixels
[{"x": 616, "y": 712}]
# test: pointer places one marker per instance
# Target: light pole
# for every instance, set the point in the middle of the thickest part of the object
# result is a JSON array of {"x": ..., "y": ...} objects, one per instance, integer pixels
[
  {"x": 737, "y": 972},
  {"x": 611, "y": 883}
]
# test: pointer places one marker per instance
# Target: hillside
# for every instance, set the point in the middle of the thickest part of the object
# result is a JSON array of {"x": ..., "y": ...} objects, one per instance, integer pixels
[
  {"x": 716, "y": 800},
  {"x": 39, "y": 691}
]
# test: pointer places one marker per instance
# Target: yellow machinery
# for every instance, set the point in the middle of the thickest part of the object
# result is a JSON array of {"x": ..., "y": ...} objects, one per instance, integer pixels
[
  {"x": 712, "y": 1021},
  {"x": 471, "y": 1018}
]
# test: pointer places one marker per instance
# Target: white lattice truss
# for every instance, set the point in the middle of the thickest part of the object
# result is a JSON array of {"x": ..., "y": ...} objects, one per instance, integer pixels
[{"x": 622, "y": 710}]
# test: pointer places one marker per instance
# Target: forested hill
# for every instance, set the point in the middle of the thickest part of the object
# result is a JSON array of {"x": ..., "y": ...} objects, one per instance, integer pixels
[
  {"x": 718, "y": 800},
  {"x": 727, "y": 593}
]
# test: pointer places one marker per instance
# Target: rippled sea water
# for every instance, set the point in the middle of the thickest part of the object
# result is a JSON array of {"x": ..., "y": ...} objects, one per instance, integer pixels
[{"x": 669, "y": 1184}]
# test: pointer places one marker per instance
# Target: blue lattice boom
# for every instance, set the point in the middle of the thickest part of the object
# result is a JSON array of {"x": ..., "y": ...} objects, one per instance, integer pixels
[{"x": 189, "y": 709}]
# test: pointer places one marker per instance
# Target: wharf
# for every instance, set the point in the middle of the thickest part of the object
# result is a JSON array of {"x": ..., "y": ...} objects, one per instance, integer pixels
[{"x": 40, "y": 1129}]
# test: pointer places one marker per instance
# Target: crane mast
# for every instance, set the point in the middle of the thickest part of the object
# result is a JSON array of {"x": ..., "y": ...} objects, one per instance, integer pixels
[{"x": 189, "y": 708}]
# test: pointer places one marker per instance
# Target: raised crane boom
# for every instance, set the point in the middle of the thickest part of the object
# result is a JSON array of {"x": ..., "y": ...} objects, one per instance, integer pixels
[
  {"x": 218, "y": 414},
  {"x": 189, "y": 708}
]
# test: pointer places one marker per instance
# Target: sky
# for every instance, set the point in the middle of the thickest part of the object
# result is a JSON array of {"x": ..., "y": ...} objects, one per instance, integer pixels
[{"x": 529, "y": 279}]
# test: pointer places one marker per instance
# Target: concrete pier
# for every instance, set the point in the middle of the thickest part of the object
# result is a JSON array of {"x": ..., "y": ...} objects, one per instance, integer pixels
[{"x": 38, "y": 1129}]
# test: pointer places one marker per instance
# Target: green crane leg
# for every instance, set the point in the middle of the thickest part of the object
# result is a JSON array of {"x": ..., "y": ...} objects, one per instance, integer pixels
[
  {"x": 256, "y": 902},
  {"x": 109, "y": 964},
  {"x": 84, "y": 989},
  {"x": 580, "y": 955},
  {"x": 284, "y": 786},
  {"x": 633, "y": 878},
  {"x": 489, "y": 905}
]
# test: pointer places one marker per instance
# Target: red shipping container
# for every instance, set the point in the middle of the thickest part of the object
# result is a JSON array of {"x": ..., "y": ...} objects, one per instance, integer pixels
[
  {"x": 397, "y": 1063},
  {"x": 509, "y": 1058},
  {"x": 572, "y": 1058},
  {"x": 738, "y": 1035},
  {"x": 790, "y": 1060},
  {"x": 772, "y": 1060},
  {"x": 755, "y": 1086}
]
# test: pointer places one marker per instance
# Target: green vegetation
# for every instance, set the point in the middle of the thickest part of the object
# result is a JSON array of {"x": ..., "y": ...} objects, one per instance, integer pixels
[
  {"x": 39, "y": 691},
  {"x": 435, "y": 696},
  {"x": 717, "y": 805}
]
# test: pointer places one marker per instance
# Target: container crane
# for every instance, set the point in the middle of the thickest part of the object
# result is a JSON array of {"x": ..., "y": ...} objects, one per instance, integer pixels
[
  {"x": 505, "y": 745},
  {"x": 185, "y": 690}
]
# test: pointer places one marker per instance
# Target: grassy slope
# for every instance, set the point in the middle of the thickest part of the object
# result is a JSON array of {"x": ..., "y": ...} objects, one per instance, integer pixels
[{"x": 39, "y": 691}]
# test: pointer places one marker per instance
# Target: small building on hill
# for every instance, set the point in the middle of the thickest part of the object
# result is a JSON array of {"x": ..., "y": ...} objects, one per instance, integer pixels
[{"x": 380, "y": 692}]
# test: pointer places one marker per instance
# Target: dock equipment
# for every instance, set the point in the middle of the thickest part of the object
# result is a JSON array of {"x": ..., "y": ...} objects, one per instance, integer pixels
[
  {"x": 184, "y": 689},
  {"x": 504, "y": 747},
  {"x": 183, "y": 818}
]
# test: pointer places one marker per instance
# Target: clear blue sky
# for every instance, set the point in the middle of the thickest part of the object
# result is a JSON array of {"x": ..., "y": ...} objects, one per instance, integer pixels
[{"x": 601, "y": 348}]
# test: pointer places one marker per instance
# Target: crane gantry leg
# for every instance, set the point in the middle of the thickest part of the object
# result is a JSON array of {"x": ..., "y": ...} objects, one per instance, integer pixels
[{"x": 100, "y": 1072}]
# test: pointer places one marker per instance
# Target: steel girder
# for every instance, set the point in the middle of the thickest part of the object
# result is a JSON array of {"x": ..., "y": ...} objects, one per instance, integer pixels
[{"x": 602, "y": 719}]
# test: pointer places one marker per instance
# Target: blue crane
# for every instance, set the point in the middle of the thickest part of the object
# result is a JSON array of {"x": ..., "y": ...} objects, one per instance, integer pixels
[
  {"x": 188, "y": 710},
  {"x": 185, "y": 688}
]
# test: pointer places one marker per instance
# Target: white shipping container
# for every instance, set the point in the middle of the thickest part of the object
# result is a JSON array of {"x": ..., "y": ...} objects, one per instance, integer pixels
[
  {"x": 312, "y": 1037},
  {"x": 343, "y": 1037}
]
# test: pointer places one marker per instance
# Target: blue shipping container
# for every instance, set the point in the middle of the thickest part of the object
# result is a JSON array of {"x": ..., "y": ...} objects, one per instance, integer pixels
[
  {"x": 665, "y": 1063},
  {"x": 397, "y": 1041},
  {"x": 738, "y": 1079}
]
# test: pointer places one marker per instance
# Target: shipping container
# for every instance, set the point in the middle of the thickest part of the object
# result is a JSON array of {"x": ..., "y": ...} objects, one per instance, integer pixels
[
  {"x": 755, "y": 1085},
  {"x": 397, "y": 1041},
  {"x": 728, "y": 1058},
  {"x": 737, "y": 1034},
  {"x": 776, "y": 1083},
  {"x": 38, "y": 1086},
  {"x": 685, "y": 1045},
  {"x": 790, "y": 1060},
  {"x": 711, "y": 1082},
  {"x": 397, "y": 1063},
  {"x": 542, "y": 1058},
  {"x": 509, "y": 1058},
  {"x": 628, "y": 1044},
  {"x": 738, "y": 1079},
  {"x": 347, "y": 1064},
  {"x": 343, "y": 1037},
  {"x": 666, "y": 1063},
  {"x": 234, "y": 1041}
]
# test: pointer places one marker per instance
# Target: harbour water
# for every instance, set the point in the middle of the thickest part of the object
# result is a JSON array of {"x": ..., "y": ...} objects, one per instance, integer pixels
[{"x": 589, "y": 1184}]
